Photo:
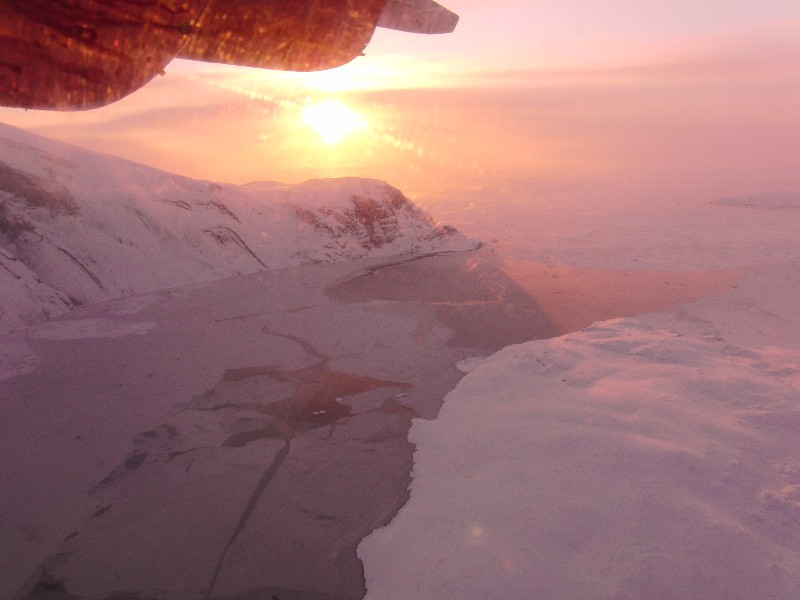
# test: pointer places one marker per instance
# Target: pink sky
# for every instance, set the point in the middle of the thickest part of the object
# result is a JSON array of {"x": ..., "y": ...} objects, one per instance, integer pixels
[{"x": 696, "y": 98}]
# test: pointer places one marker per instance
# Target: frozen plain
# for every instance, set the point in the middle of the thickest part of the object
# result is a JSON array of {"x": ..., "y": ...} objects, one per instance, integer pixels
[
  {"x": 237, "y": 439},
  {"x": 147, "y": 430},
  {"x": 648, "y": 457}
]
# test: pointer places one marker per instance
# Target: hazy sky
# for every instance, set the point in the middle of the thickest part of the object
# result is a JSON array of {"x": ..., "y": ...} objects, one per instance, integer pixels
[{"x": 638, "y": 95}]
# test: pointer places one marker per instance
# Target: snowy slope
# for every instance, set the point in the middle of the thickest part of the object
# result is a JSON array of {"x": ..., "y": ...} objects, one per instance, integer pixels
[
  {"x": 653, "y": 457},
  {"x": 78, "y": 227}
]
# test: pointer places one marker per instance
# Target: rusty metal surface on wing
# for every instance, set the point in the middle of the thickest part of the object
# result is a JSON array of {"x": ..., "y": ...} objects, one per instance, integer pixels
[
  {"x": 87, "y": 53},
  {"x": 307, "y": 35},
  {"x": 81, "y": 54}
]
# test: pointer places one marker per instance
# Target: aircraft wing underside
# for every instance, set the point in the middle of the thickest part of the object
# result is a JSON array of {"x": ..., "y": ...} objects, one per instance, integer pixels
[{"x": 80, "y": 54}]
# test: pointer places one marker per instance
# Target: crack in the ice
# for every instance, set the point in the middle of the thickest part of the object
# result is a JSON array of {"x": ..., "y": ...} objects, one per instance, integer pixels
[
  {"x": 304, "y": 344},
  {"x": 266, "y": 478},
  {"x": 374, "y": 269},
  {"x": 286, "y": 311}
]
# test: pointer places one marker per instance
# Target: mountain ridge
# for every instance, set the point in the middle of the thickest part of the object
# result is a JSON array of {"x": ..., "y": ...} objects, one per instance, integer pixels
[{"x": 79, "y": 227}]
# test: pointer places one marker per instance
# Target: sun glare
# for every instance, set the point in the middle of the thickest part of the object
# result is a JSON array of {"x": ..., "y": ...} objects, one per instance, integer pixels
[{"x": 332, "y": 120}]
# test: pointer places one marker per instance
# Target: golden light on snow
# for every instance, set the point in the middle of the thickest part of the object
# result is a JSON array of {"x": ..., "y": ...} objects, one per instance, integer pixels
[{"x": 332, "y": 120}]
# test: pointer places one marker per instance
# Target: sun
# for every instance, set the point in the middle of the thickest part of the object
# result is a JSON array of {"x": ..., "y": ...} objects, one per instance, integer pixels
[{"x": 332, "y": 120}]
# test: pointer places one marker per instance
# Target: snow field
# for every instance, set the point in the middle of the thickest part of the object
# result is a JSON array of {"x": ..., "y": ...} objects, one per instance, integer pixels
[{"x": 651, "y": 457}]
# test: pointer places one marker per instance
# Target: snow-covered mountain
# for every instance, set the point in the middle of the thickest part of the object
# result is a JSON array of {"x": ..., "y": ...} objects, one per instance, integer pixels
[{"x": 79, "y": 227}]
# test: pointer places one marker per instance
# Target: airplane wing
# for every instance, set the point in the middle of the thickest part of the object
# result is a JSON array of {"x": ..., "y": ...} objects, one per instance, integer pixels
[
  {"x": 292, "y": 35},
  {"x": 415, "y": 16},
  {"x": 81, "y": 54}
]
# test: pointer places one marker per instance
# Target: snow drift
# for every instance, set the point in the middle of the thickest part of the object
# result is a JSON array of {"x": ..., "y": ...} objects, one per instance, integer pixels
[
  {"x": 78, "y": 227},
  {"x": 653, "y": 457},
  {"x": 625, "y": 461}
]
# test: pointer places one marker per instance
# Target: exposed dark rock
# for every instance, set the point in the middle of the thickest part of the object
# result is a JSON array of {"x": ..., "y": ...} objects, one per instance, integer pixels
[{"x": 35, "y": 193}]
